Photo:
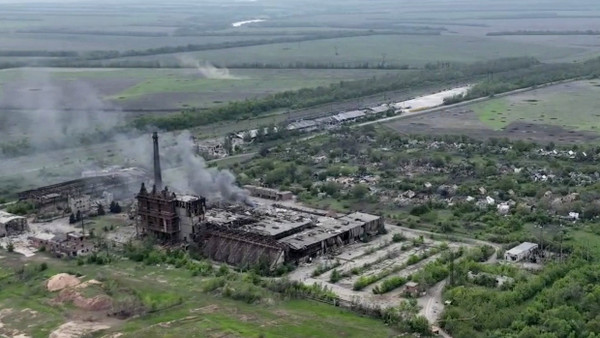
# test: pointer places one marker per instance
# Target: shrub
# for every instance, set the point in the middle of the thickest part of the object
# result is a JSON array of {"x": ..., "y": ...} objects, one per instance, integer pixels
[
  {"x": 390, "y": 284},
  {"x": 223, "y": 271},
  {"x": 10, "y": 247},
  {"x": 322, "y": 268},
  {"x": 398, "y": 238},
  {"x": 335, "y": 276},
  {"x": 213, "y": 284},
  {"x": 420, "y": 210},
  {"x": 413, "y": 259}
]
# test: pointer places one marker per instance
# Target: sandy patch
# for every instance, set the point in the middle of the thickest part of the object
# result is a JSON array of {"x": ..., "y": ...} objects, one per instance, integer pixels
[
  {"x": 61, "y": 281},
  {"x": 96, "y": 303},
  {"x": 88, "y": 283},
  {"x": 77, "y": 329}
]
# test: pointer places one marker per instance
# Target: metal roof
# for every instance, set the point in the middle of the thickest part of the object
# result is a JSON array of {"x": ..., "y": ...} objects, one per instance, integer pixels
[
  {"x": 6, "y": 217},
  {"x": 301, "y": 124},
  {"x": 521, "y": 248},
  {"x": 349, "y": 115}
]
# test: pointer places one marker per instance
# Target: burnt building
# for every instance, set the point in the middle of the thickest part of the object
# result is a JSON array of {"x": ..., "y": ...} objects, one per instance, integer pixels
[
  {"x": 12, "y": 224},
  {"x": 268, "y": 193},
  {"x": 58, "y": 200},
  {"x": 283, "y": 234},
  {"x": 245, "y": 236},
  {"x": 71, "y": 244},
  {"x": 165, "y": 215}
]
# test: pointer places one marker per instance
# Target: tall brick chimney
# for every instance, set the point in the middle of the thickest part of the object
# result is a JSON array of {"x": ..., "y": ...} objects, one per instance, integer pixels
[{"x": 157, "y": 171}]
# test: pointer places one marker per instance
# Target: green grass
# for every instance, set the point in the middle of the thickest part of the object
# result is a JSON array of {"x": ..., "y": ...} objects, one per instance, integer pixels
[
  {"x": 246, "y": 83},
  {"x": 399, "y": 49},
  {"x": 587, "y": 240},
  {"x": 491, "y": 113},
  {"x": 182, "y": 307},
  {"x": 178, "y": 88},
  {"x": 572, "y": 106}
]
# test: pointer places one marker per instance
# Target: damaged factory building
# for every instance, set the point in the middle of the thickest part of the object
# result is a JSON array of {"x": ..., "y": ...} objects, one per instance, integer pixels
[
  {"x": 83, "y": 194},
  {"x": 243, "y": 235},
  {"x": 165, "y": 215}
]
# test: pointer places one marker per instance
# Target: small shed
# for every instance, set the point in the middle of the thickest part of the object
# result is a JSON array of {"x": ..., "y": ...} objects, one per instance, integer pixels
[
  {"x": 411, "y": 289},
  {"x": 520, "y": 252}
]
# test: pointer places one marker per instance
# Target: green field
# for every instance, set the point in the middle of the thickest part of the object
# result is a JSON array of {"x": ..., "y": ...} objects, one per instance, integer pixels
[
  {"x": 241, "y": 84},
  {"x": 395, "y": 49},
  {"x": 155, "y": 88},
  {"x": 183, "y": 309},
  {"x": 571, "y": 106}
]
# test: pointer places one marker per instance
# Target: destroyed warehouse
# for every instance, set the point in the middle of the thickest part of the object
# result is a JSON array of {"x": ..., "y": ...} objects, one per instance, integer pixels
[{"x": 83, "y": 194}]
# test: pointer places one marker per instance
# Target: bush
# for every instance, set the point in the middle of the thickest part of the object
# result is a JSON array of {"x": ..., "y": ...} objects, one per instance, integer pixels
[
  {"x": 389, "y": 285},
  {"x": 419, "y": 324},
  {"x": 420, "y": 210},
  {"x": 364, "y": 281},
  {"x": 43, "y": 266},
  {"x": 413, "y": 259},
  {"x": 10, "y": 247},
  {"x": 213, "y": 284},
  {"x": 223, "y": 271},
  {"x": 20, "y": 208},
  {"x": 322, "y": 268},
  {"x": 335, "y": 276},
  {"x": 247, "y": 293},
  {"x": 398, "y": 238}
]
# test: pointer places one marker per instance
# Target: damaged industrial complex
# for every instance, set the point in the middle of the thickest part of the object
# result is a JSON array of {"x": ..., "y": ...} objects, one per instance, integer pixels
[
  {"x": 83, "y": 194},
  {"x": 250, "y": 234}
]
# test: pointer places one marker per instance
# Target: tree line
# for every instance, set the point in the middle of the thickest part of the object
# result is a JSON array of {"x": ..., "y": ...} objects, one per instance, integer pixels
[
  {"x": 546, "y": 32},
  {"x": 496, "y": 83},
  {"x": 74, "y": 57},
  {"x": 446, "y": 74}
]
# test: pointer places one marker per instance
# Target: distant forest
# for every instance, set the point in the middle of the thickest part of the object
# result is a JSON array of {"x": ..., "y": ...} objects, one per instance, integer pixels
[{"x": 546, "y": 32}]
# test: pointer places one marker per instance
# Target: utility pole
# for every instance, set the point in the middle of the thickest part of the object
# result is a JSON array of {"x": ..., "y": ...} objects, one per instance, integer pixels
[
  {"x": 562, "y": 234},
  {"x": 451, "y": 268}
]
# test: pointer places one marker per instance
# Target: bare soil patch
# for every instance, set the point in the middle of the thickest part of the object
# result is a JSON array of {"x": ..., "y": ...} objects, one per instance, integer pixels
[
  {"x": 62, "y": 281},
  {"x": 461, "y": 121},
  {"x": 77, "y": 329}
]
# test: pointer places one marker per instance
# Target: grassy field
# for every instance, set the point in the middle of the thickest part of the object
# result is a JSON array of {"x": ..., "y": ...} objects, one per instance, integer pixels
[
  {"x": 571, "y": 106},
  {"x": 148, "y": 89},
  {"x": 183, "y": 309},
  {"x": 397, "y": 49},
  {"x": 237, "y": 84}
]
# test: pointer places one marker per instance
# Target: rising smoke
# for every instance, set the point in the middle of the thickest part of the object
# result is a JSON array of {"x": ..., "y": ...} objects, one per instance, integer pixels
[
  {"x": 56, "y": 115},
  {"x": 206, "y": 69},
  {"x": 184, "y": 171},
  {"x": 52, "y": 115}
]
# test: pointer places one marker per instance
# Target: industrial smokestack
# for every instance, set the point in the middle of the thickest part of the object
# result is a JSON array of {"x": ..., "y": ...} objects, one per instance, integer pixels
[{"x": 157, "y": 171}]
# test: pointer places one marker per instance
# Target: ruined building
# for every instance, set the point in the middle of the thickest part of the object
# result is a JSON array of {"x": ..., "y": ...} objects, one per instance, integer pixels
[
  {"x": 165, "y": 215},
  {"x": 12, "y": 224},
  {"x": 248, "y": 235},
  {"x": 58, "y": 200}
]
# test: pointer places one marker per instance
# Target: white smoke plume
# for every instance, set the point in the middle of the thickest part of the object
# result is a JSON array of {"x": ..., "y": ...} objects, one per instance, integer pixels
[
  {"x": 184, "y": 171},
  {"x": 206, "y": 69},
  {"x": 50, "y": 114}
]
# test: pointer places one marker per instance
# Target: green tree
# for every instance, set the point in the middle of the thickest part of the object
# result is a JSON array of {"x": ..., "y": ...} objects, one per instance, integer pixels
[
  {"x": 359, "y": 191},
  {"x": 101, "y": 211}
]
